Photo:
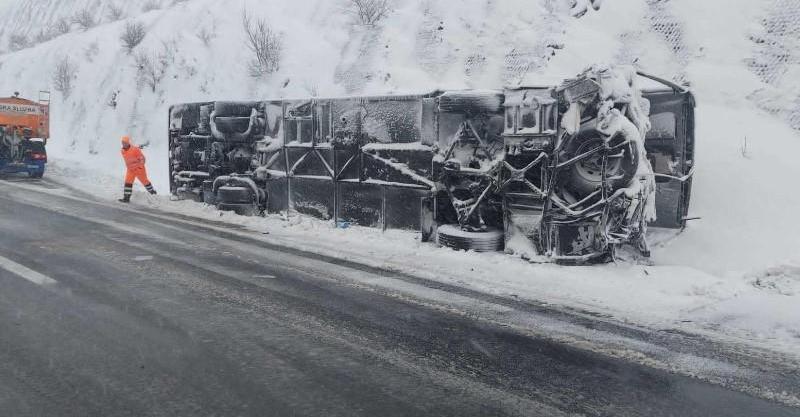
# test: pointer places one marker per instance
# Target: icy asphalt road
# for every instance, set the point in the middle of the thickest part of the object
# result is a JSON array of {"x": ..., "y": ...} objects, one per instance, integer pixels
[{"x": 109, "y": 312}]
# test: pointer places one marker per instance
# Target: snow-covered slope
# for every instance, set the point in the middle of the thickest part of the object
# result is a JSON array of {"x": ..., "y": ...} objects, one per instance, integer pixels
[
  {"x": 747, "y": 243},
  {"x": 421, "y": 45}
]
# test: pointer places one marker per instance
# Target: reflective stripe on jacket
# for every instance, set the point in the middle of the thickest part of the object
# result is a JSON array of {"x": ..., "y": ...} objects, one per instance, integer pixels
[{"x": 134, "y": 158}]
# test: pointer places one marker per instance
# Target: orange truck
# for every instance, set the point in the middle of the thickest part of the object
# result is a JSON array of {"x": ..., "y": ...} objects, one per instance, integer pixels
[{"x": 24, "y": 131}]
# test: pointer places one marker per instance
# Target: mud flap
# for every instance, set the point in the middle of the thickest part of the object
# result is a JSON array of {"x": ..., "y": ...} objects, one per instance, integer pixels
[
  {"x": 577, "y": 242},
  {"x": 427, "y": 221},
  {"x": 521, "y": 233}
]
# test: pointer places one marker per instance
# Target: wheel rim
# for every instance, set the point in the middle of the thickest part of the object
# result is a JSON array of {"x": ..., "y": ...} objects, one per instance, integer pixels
[{"x": 591, "y": 169}]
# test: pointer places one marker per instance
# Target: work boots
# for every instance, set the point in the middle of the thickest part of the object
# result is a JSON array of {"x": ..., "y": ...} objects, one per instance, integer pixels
[
  {"x": 126, "y": 194},
  {"x": 129, "y": 190}
]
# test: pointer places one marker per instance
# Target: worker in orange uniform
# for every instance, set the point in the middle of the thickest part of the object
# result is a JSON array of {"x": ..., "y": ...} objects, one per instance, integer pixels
[{"x": 134, "y": 161}]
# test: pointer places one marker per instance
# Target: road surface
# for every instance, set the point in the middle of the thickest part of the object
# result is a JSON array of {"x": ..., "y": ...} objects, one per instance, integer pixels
[{"x": 109, "y": 312}]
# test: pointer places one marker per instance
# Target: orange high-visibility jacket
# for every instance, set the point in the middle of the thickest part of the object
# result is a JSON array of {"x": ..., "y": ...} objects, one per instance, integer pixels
[{"x": 134, "y": 158}]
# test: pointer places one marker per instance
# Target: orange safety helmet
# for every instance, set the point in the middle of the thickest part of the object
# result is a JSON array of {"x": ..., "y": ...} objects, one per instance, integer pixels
[{"x": 126, "y": 139}]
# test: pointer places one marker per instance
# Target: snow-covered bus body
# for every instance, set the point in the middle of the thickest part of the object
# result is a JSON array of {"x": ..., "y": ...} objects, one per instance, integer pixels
[{"x": 481, "y": 170}]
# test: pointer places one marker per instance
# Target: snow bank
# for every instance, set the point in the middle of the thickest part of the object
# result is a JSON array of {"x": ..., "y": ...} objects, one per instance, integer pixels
[{"x": 733, "y": 270}]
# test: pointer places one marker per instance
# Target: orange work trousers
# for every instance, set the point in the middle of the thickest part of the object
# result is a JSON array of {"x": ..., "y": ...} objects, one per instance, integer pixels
[{"x": 137, "y": 173}]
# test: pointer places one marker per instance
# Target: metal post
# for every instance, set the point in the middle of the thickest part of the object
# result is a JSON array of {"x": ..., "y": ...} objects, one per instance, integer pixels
[
  {"x": 335, "y": 187},
  {"x": 289, "y": 200},
  {"x": 383, "y": 208}
]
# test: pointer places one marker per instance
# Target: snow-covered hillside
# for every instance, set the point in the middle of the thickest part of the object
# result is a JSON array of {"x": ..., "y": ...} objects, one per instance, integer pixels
[
  {"x": 421, "y": 45},
  {"x": 745, "y": 190}
]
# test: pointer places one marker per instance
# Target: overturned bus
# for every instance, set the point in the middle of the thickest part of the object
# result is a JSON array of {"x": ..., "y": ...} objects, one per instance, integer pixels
[{"x": 568, "y": 173}]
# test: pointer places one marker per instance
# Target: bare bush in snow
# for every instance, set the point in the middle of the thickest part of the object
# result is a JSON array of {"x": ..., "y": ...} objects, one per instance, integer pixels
[
  {"x": 147, "y": 70},
  {"x": 745, "y": 150},
  {"x": 132, "y": 35},
  {"x": 169, "y": 51},
  {"x": 43, "y": 35},
  {"x": 63, "y": 74},
  {"x": 91, "y": 51},
  {"x": 266, "y": 45},
  {"x": 151, "y": 68},
  {"x": 84, "y": 18},
  {"x": 207, "y": 34},
  {"x": 151, "y": 5},
  {"x": 115, "y": 12},
  {"x": 370, "y": 12},
  {"x": 578, "y": 8},
  {"x": 61, "y": 27},
  {"x": 112, "y": 99},
  {"x": 18, "y": 41}
]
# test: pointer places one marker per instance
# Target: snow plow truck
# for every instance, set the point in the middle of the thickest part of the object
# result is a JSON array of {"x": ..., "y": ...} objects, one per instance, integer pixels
[
  {"x": 24, "y": 131},
  {"x": 567, "y": 173}
]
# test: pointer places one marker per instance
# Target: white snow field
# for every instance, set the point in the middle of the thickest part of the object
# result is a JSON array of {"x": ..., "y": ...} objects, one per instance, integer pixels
[{"x": 733, "y": 274}]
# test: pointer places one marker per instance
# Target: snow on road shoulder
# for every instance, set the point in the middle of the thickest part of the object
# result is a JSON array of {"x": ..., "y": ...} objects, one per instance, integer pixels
[{"x": 673, "y": 291}]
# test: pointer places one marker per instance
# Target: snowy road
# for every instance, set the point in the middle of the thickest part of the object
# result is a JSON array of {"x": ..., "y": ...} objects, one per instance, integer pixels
[{"x": 105, "y": 311}]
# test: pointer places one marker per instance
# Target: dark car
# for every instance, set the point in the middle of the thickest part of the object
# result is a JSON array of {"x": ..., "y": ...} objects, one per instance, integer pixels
[{"x": 22, "y": 155}]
